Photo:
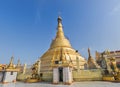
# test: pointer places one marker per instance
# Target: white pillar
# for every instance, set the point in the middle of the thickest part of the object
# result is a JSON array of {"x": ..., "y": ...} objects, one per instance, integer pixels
[
  {"x": 55, "y": 75},
  {"x": 39, "y": 67},
  {"x": 24, "y": 68},
  {"x": 64, "y": 74},
  {"x": 67, "y": 75}
]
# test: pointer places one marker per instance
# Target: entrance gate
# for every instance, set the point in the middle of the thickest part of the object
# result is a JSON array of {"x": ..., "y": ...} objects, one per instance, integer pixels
[{"x": 60, "y": 74}]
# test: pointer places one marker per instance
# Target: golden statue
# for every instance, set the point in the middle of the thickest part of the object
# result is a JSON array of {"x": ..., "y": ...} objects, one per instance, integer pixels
[
  {"x": 35, "y": 77},
  {"x": 35, "y": 70},
  {"x": 116, "y": 71}
]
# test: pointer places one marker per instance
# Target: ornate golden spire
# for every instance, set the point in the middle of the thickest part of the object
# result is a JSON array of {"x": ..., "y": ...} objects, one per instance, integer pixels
[
  {"x": 60, "y": 33},
  {"x": 60, "y": 39},
  {"x": 11, "y": 65}
]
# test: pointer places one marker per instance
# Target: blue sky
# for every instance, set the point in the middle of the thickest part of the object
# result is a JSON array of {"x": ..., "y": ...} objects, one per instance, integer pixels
[{"x": 27, "y": 27}]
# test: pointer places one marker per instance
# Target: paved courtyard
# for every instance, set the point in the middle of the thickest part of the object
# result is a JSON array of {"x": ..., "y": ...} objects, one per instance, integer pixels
[{"x": 75, "y": 84}]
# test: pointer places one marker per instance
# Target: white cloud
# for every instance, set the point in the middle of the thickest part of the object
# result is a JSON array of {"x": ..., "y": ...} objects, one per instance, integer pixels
[{"x": 116, "y": 9}]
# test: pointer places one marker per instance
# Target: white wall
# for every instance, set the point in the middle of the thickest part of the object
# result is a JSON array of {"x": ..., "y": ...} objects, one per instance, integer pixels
[
  {"x": 55, "y": 75},
  {"x": 67, "y": 75},
  {"x": 9, "y": 78}
]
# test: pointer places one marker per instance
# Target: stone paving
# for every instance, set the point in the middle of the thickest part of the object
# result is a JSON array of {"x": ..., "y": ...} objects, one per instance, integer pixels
[{"x": 75, "y": 84}]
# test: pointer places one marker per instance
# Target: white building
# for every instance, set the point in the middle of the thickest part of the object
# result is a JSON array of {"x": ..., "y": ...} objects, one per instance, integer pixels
[{"x": 9, "y": 73}]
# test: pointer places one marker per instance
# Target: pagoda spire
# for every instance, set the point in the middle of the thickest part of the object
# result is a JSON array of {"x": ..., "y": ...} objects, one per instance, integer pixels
[
  {"x": 11, "y": 65},
  {"x": 18, "y": 64},
  {"x": 89, "y": 54},
  {"x": 60, "y": 39},
  {"x": 60, "y": 33}
]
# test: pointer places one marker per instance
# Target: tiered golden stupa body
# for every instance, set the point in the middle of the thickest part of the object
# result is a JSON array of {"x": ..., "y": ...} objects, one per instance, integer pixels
[{"x": 60, "y": 50}]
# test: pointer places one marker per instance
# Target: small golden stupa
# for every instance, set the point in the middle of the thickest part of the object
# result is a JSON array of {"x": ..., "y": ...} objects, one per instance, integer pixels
[
  {"x": 60, "y": 51},
  {"x": 91, "y": 62},
  {"x": 11, "y": 66}
]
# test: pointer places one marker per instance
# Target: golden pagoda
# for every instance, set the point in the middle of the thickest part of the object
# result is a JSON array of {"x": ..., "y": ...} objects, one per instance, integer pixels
[{"x": 60, "y": 51}]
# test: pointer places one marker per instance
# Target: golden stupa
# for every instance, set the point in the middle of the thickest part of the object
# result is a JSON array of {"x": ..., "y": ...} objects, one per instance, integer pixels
[{"x": 60, "y": 50}]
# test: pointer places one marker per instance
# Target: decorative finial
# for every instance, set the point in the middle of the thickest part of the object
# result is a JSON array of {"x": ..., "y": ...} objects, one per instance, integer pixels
[
  {"x": 89, "y": 52},
  {"x": 11, "y": 61},
  {"x": 59, "y": 15},
  {"x": 18, "y": 63},
  {"x": 59, "y": 19}
]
